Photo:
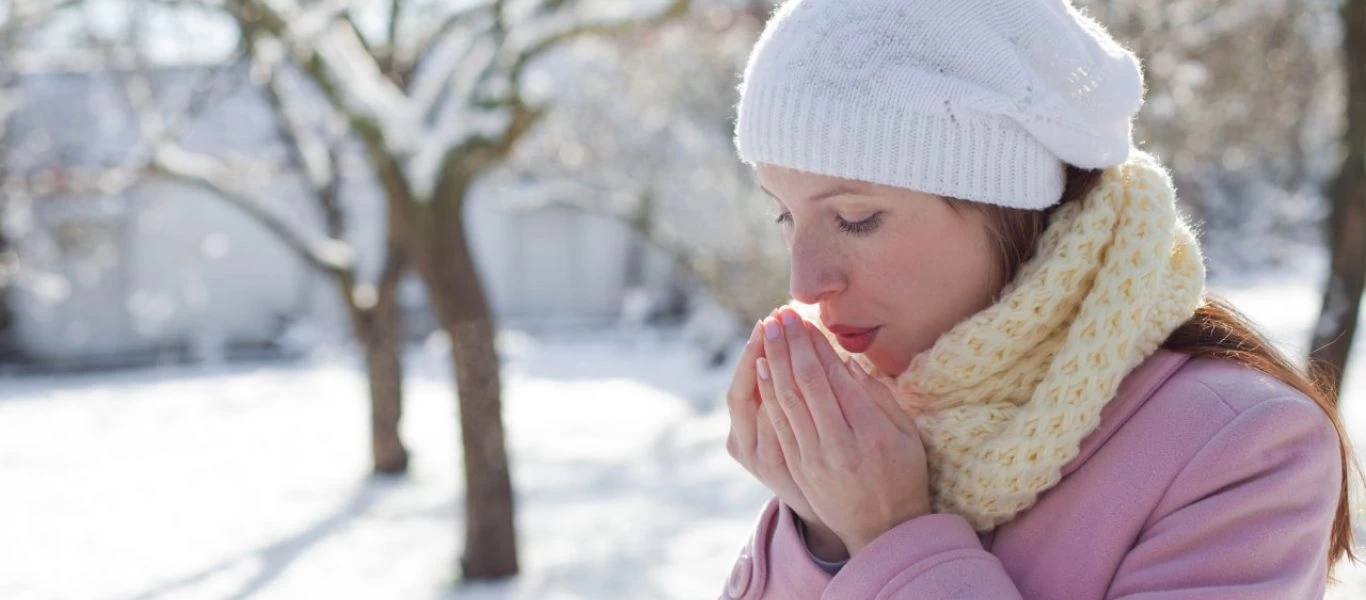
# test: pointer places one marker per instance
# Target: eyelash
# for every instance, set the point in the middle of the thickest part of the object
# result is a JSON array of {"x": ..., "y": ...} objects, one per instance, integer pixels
[{"x": 863, "y": 227}]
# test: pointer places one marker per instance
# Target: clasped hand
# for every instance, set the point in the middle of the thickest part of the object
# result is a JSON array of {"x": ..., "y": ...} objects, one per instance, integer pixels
[{"x": 824, "y": 435}]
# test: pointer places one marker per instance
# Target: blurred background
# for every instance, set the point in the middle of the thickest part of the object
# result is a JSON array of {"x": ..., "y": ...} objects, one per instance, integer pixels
[{"x": 440, "y": 298}]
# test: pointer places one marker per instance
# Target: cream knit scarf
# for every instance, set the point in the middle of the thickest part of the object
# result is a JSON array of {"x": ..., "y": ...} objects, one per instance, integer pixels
[{"x": 1004, "y": 398}]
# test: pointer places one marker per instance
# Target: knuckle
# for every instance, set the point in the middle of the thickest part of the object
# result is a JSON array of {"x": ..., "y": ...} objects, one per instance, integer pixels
[
  {"x": 877, "y": 443},
  {"x": 779, "y": 427},
  {"x": 743, "y": 375},
  {"x": 790, "y": 400},
  {"x": 770, "y": 459},
  {"x": 836, "y": 464},
  {"x": 734, "y": 397},
  {"x": 835, "y": 370},
  {"x": 808, "y": 376},
  {"x": 842, "y": 461}
]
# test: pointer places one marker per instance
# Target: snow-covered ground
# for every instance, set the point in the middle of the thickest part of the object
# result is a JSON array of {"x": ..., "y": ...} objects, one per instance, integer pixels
[{"x": 250, "y": 480}]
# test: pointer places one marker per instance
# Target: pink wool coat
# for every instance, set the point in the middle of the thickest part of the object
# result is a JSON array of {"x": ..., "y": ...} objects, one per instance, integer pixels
[{"x": 1204, "y": 480}]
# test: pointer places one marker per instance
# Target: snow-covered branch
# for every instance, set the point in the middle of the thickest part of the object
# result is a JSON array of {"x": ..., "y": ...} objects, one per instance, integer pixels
[
  {"x": 316, "y": 154},
  {"x": 311, "y": 151},
  {"x": 561, "y": 28},
  {"x": 334, "y": 56},
  {"x": 156, "y": 124},
  {"x": 469, "y": 56},
  {"x": 332, "y": 255},
  {"x": 223, "y": 180},
  {"x": 165, "y": 157},
  {"x": 483, "y": 105},
  {"x": 27, "y": 14},
  {"x": 428, "y": 42},
  {"x": 700, "y": 263}
]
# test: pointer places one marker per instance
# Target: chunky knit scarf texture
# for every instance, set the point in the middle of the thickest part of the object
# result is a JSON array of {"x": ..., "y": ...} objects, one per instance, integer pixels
[{"x": 1003, "y": 399}]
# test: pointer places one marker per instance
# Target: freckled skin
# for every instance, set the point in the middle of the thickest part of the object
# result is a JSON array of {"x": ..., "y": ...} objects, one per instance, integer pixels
[{"x": 881, "y": 256}]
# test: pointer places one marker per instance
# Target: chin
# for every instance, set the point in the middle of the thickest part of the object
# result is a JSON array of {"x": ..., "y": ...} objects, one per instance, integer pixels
[
  {"x": 889, "y": 359},
  {"x": 884, "y": 363}
]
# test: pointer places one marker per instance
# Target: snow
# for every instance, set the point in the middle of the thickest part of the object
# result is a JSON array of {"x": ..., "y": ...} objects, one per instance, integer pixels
[{"x": 250, "y": 479}]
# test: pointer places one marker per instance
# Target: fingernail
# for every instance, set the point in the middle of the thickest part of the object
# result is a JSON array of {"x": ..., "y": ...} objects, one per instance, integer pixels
[
  {"x": 789, "y": 318},
  {"x": 754, "y": 334},
  {"x": 771, "y": 330},
  {"x": 761, "y": 366}
]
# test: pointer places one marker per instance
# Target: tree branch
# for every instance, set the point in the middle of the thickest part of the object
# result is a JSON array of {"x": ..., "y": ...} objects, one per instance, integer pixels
[
  {"x": 336, "y": 60},
  {"x": 167, "y": 158},
  {"x": 391, "y": 49},
  {"x": 427, "y": 44},
  {"x": 328, "y": 254},
  {"x": 463, "y": 147},
  {"x": 380, "y": 61},
  {"x": 704, "y": 267},
  {"x": 431, "y": 92},
  {"x": 675, "y": 8},
  {"x": 311, "y": 152},
  {"x": 24, "y": 15}
]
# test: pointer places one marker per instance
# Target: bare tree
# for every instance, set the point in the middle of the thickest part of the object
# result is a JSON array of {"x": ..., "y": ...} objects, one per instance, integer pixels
[
  {"x": 372, "y": 307},
  {"x": 436, "y": 108},
  {"x": 434, "y": 101},
  {"x": 649, "y": 143},
  {"x": 9, "y": 261},
  {"x": 1337, "y": 322}
]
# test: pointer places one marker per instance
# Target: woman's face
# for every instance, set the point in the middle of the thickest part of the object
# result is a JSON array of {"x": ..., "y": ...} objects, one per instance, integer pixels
[{"x": 892, "y": 269}]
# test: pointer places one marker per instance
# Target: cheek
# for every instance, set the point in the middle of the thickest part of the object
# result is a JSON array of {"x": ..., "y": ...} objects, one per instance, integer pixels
[
  {"x": 967, "y": 265},
  {"x": 940, "y": 279}
]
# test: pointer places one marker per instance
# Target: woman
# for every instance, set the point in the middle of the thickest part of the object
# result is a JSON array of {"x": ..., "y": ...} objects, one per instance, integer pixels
[{"x": 1001, "y": 376}]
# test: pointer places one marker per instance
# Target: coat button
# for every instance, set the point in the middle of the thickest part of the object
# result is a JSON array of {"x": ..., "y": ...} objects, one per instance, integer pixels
[{"x": 739, "y": 578}]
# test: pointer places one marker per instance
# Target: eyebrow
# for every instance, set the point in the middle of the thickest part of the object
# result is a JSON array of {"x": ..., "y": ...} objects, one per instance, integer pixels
[{"x": 843, "y": 189}]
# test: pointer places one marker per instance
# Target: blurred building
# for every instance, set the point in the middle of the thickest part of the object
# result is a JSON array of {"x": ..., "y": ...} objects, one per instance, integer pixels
[{"x": 112, "y": 273}]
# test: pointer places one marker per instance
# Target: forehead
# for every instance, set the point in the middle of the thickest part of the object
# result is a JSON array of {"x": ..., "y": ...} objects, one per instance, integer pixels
[
  {"x": 793, "y": 185},
  {"x": 774, "y": 176}
]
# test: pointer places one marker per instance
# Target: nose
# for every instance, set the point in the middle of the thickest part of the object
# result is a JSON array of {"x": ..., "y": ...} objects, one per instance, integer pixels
[{"x": 817, "y": 271}]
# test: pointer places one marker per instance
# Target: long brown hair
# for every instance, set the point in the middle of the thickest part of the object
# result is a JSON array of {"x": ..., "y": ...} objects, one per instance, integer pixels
[{"x": 1216, "y": 330}]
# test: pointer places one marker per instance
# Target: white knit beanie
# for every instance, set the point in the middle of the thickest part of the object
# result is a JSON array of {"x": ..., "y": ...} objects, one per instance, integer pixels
[{"x": 978, "y": 100}]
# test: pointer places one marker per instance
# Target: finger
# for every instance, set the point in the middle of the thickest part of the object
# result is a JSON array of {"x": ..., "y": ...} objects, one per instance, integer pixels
[
  {"x": 776, "y": 442},
  {"x": 840, "y": 375},
  {"x": 767, "y": 447},
  {"x": 884, "y": 400},
  {"x": 812, "y": 376},
  {"x": 742, "y": 397},
  {"x": 791, "y": 402}
]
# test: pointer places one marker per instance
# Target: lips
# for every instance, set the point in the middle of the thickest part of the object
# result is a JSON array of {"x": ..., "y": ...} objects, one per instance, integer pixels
[{"x": 854, "y": 339}]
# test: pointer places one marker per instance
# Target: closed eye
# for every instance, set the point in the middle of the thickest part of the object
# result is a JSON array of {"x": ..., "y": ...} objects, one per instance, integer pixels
[{"x": 863, "y": 227}]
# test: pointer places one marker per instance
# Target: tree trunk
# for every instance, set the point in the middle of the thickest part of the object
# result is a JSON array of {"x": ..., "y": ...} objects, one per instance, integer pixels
[
  {"x": 385, "y": 371},
  {"x": 379, "y": 329},
  {"x": 8, "y": 271},
  {"x": 457, "y": 296},
  {"x": 1337, "y": 322}
]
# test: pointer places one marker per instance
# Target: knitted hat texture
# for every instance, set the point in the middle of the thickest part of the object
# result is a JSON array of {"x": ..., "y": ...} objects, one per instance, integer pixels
[{"x": 980, "y": 100}]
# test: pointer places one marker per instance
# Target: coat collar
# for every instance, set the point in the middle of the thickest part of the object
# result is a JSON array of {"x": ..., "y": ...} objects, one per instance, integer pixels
[{"x": 1133, "y": 391}]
